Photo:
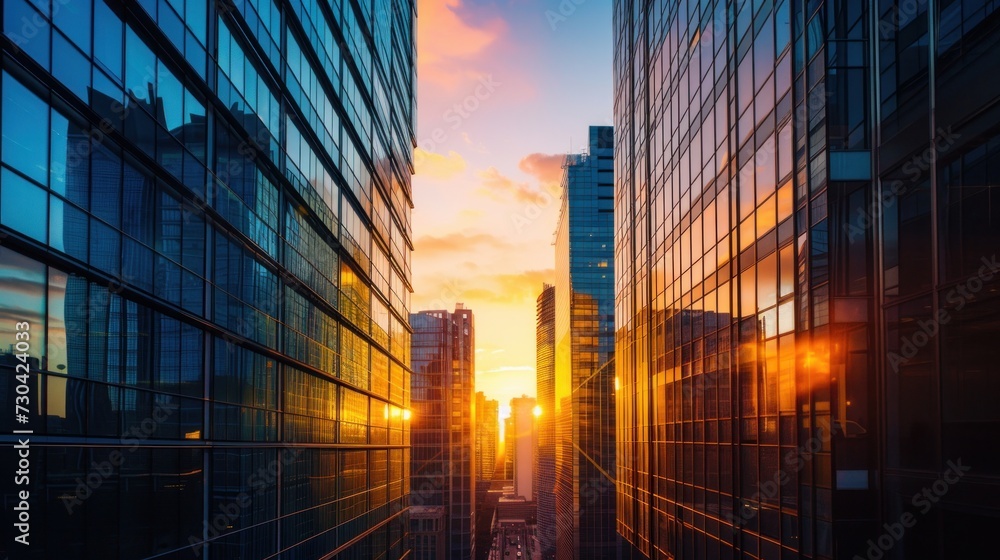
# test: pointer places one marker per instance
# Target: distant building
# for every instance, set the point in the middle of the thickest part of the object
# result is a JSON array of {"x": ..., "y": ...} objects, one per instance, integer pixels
[
  {"x": 508, "y": 444},
  {"x": 487, "y": 436},
  {"x": 487, "y": 452},
  {"x": 545, "y": 469},
  {"x": 522, "y": 412},
  {"x": 442, "y": 472},
  {"x": 427, "y": 532}
]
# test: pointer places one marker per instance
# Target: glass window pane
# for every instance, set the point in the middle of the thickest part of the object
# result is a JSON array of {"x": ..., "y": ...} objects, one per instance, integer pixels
[
  {"x": 22, "y": 299},
  {"x": 140, "y": 66},
  {"x": 57, "y": 170},
  {"x": 23, "y": 206},
  {"x": 170, "y": 95},
  {"x": 73, "y": 18},
  {"x": 70, "y": 67},
  {"x": 34, "y": 40},
  {"x": 195, "y": 17},
  {"x": 68, "y": 229},
  {"x": 67, "y": 309},
  {"x": 105, "y": 247},
  {"x": 105, "y": 184},
  {"x": 25, "y": 130},
  {"x": 108, "y": 50}
]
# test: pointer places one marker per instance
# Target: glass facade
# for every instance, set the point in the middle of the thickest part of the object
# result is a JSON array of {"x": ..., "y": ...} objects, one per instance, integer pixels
[
  {"x": 584, "y": 347},
  {"x": 443, "y": 463},
  {"x": 805, "y": 239},
  {"x": 545, "y": 373},
  {"x": 205, "y": 219},
  {"x": 487, "y": 426},
  {"x": 487, "y": 434}
]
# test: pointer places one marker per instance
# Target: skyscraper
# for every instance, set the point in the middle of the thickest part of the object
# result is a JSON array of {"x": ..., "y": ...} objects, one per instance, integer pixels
[
  {"x": 443, "y": 469},
  {"x": 584, "y": 338},
  {"x": 205, "y": 216},
  {"x": 487, "y": 434},
  {"x": 508, "y": 445},
  {"x": 525, "y": 436},
  {"x": 487, "y": 442},
  {"x": 806, "y": 278},
  {"x": 487, "y": 452},
  {"x": 545, "y": 471}
]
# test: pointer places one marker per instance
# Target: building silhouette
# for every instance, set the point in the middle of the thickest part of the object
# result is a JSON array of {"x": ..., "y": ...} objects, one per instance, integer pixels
[
  {"x": 525, "y": 446},
  {"x": 487, "y": 451},
  {"x": 804, "y": 242},
  {"x": 509, "y": 451},
  {"x": 487, "y": 435}
]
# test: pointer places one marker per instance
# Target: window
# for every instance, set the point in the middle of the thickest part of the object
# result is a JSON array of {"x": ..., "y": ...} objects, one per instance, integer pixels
[
  {"x": 108, "y": 50},
  {"x": 25, "y": 130},
  {"x": 37, "y": 46},
  {"x": 26, "y": 302},
  {"x": 23, "y": 206},
  {"x": 73, "y": 18}
]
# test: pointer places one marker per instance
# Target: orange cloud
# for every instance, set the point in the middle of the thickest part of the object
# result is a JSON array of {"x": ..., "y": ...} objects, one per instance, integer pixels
[
  {"x": 429, "y": 245},
  {"x": 472, "y": 214},
  {"x": 501, "y": 289},
  {"x": 430, "y": 164},
  {"x": 498, "y": 185},
  {"x": 448, "y": 43},
  {"x": 547, "y": 168}
]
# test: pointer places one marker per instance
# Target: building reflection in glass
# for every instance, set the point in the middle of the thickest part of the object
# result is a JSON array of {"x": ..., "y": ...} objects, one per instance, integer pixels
[{"x": 799, "y": 347}]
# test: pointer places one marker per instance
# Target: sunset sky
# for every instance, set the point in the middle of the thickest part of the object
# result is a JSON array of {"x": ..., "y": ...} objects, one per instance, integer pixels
[{"x": 505, "y": 87}]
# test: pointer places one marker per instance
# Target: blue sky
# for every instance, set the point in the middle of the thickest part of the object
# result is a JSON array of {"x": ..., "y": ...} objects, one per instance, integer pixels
[{"x": 504, "y": 88}]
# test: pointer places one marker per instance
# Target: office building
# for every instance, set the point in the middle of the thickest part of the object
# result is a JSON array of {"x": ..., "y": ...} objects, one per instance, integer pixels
[
  {"x": 545, "y": 372},
  {"x": 205, "y": 220},
  {"x": 429, "y": 539},
  {"x": 487, "y": 434},
  {"x": 806, "y": 294},
  {"x": 584, "y": 337},
  {"x": 487, "y": 451},
  {"x": 443, "y": 429},
  {"x": 525, "y": 436},
  {"x": 508, "y": 445}
]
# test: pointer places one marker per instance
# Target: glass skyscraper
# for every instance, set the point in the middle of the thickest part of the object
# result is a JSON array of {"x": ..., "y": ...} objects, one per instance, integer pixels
[
  {"x": 205, "y": 222},
  {"x": 443, "y": 466},
  {"x": 584, "y": 347},
  {"x": 487, "y": 420},
  {"x": 545, "y": 374},
  {"x": 487, "y": 436},
  {"x": 806, "y": 236}
]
